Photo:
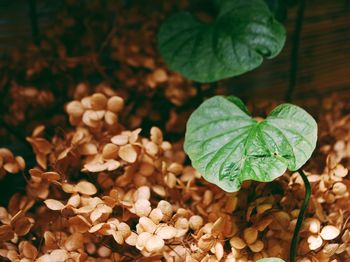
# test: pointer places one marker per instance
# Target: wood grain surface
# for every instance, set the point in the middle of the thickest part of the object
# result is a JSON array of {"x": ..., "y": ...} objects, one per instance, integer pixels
[{"x": 324, "y": 57}]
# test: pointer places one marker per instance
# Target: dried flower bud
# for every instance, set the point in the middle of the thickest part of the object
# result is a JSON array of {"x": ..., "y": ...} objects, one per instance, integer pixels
[
  {"x": 196, "y": 222},
  {"x": 115, "y": 104},
  {"x": 75, "y": 109},
  {"x": 98, "y": 101}
]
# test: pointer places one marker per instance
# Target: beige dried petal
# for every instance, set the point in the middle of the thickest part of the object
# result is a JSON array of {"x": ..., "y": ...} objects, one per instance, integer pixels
[
  {"x": 250, "y": 235},
  {"x": 111, "y": 118},
  {"x": 175, "y": 168},
  {"x": 59, "y": 255},
  {"x": 88, "y": 119},
  {"x": 79, "y": 224},
  {"x": 256, "y": 247},
  {"x": 134, "y": 135},
  {"x": 74, "y": 242},
  {"x": 100, "y": 227},
  {"x": 68, "y": 188},
  {"x": 237, "y": 243},
  {"x": 128, "y": 153},
  {"x": 98, "y": 101},
  {"x": 50, "y": 240},
  {"x": 166, "y": 209},
  {"x": 6, "y": 233},
  {"x": 124, "y": 229},
  {"x": 311, "y": 224},
  {"x": 22, "y": 226},
  {"x": 94, "y": 167},
  {"x": 112, "y": 165},
  {"x": 120, "y": 140},
  {"x": 151, "y": 148},
  {"x": 166, "y": 232},
  {"x": 20, "y": 161},
  {"x": 156, "y": 135},
  {"x": 160, "y": 75},
  {"x": 28, "y": 250},
  {"x": 131, "y": 239},
  {"x": 12, "y": 167},
  {"x": 87, "y": 149},
  {"x": 206, "y": 242},
  {"x": 142, "y": 207},
  {"x": 143, "y": 192},
  {"x": 196, "y": 222},
  {"x": 118, "y": 237},
  {"x": 154, "y": 244},
  {"x": 6, "y": 154},
  {"x": 44, "y": 258},
  {"x": 159, "y": 190},
  {"x": 53, "y": 204},
  {"x": 219, "y": 251},
  {"x": 75, "y": 108},
  {"x": 110, "y": 151},
  {"x": 330, "y": 249},
  {"x": 74, "y": 200},
  {"x": 86, "y": 188},
  {"x": 115, "y": 104},
  {"x": 41, "y": 145},
  {"x": 38, "y": 131},
  {"x": 146, "y": 169},
  {"x": 315, "y": 242},
  {"x": 170, "y": 180},
  {"x": 86, "y": 102},
  {"x": 147, "y": 225},
  {"x": 341, "y": 171},
  {"x": 142, "y": 239},
  {"x": 156, "y": 215},
  {"x": 97, "y": 115},
  {"x": 329, "y": 232},
  {"x": 51, "y": 176},
  {"x": 339, "y": 188}
]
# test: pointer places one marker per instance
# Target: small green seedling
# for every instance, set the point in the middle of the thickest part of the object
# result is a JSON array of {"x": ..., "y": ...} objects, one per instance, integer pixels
[
  {"x": 237, "y": 41},
  {"x": 228, "y": 146}
]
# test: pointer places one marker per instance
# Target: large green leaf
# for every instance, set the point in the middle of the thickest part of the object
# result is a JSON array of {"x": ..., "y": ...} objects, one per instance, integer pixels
[
  {"x": 228, "y": 146},
  {"x": 243, "y": 33},
  {"x": 271, "y": 259}
]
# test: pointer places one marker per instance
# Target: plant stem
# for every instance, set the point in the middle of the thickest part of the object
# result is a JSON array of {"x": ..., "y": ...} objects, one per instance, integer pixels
[
  {"x": 293, "y": 246},
  {"x": 295, "y": 52}
]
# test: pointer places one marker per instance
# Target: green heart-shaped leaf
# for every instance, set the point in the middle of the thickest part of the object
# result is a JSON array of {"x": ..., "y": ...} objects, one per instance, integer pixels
[
  {"x": 271, "y": 259},
  {"x": 228, "y": 146},
  {"x": 243, "y": 33}
]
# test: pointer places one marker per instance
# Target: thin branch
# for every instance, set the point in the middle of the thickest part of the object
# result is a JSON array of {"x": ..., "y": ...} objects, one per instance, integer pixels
[
  {"x": 34, "y": 21},
  {"x": 295, "y": 52},
  {"x": 294, "y": 244}
]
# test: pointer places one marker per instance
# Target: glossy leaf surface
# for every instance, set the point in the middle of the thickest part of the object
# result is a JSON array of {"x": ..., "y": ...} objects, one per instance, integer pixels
[{"x": 227, "y": 146}]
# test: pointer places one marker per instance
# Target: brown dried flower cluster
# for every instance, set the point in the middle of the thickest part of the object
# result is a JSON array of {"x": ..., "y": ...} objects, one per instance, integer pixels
[
  {"x": 9, "y": 163},
  {"x": 104, "y": 193}
]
